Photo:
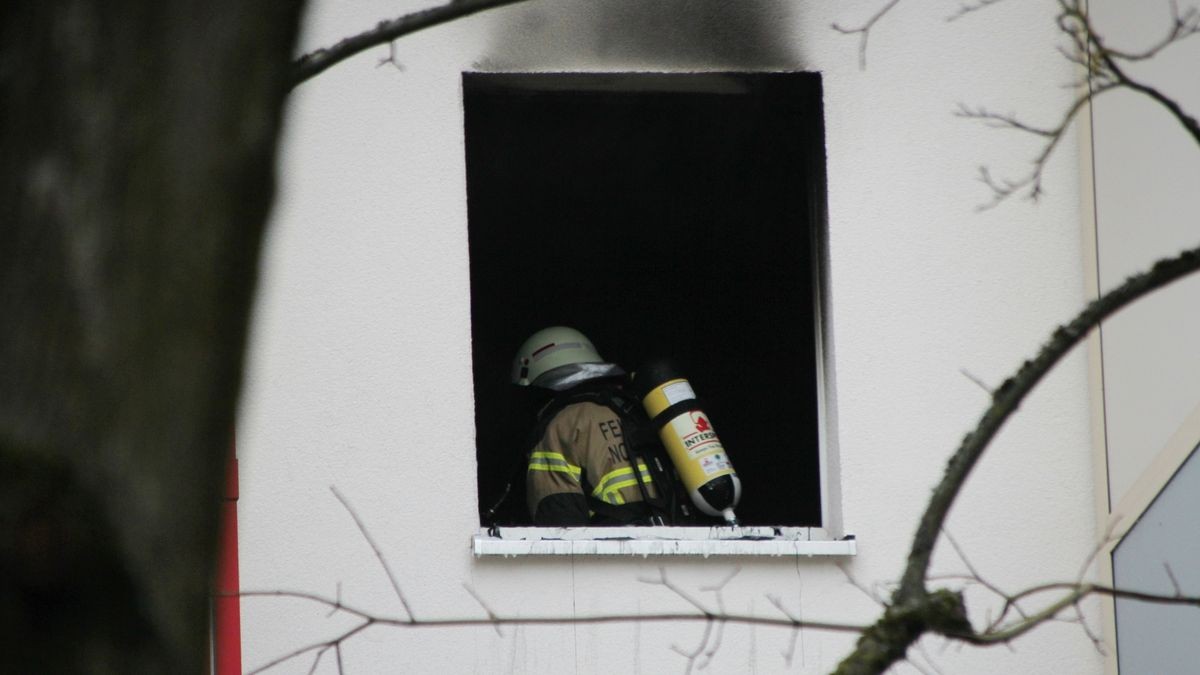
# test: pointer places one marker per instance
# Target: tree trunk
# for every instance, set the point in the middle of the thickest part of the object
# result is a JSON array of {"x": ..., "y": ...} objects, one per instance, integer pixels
[{"x": 136, "y": 171}]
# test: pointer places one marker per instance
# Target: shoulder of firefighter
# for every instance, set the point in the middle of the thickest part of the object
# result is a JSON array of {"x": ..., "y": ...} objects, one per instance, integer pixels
[{"x": 580, "y": 473}]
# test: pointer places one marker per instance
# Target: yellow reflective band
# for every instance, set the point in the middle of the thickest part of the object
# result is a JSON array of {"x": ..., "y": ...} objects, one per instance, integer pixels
[
  {"x": 615, "y": 489},
  {"x": 553, "y": 461},
  {"x": 610, "y": 485},
  {"x": 602, "y": 486},
  {"x": 572, "y": 471}
]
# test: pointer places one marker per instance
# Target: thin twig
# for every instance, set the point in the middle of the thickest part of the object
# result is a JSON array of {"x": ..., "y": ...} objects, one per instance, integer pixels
[
  {"x": 969, "y": 8},
  {"x": 855, "y": 583},
  {"x": 979, "y": 578},
  {"x": 683, "y": 617},
  {"x": 334, "y": 610},
  {"x": 1174, "y": 581},
  {"x": 1002, "y": 189},
  {"x": 316, "y": 62},
  {"x": 921, "y": 669},
  {"x": 390, "y": 59},
  {"x": 713, "y": 645},
  {"x": 864, "y": 31},
  {"x": 378, "y": 553},
  {"x": 1099, "y": 61},
  {"x": 694, "y": 654},
  {"x": 323, "y": 646},
  {"x": 928, "y": 659},
  {"x": 664, "y": 581},
  {"x": 1075, "y": 593},
  {"x": 1109, "y": 536},
  {"x": 978, "y": 381},
  {"x": 1005, "y": 121},
  {"x": 1182, "y": 27},
  {"x": 720, "y": 585},
  {"x": 702, "y": 655},
  {"x": 1075, "y": 21},
  {"x": 790, "y": 652},
  {"x": 491, "y": 615},
  {"x": 1096, "y": 639},
  {"x": 369, "y": 619},
  {"x": 317, "y": 660}
]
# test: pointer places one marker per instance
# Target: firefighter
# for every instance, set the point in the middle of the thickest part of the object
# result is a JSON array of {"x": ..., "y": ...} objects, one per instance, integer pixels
[{"x": 580, "y": 470}]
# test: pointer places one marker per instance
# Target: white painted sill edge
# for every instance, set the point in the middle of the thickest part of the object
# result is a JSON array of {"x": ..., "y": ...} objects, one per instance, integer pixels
[{"x": 662, "y": 541}]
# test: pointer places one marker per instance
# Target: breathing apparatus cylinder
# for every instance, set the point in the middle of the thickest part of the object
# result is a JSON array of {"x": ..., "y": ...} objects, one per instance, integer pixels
[{"x": 689, "y": 438}]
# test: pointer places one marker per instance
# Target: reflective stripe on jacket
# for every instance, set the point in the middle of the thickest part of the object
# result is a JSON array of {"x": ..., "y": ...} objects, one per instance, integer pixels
[{"x": 582, "y": 452}]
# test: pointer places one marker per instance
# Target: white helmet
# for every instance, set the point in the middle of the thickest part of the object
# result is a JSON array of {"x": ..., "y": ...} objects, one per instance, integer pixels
[{"x": 558, "y": 358}]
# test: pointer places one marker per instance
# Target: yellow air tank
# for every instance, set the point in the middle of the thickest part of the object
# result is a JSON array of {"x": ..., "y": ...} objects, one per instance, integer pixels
[{"x": 689, "y": 438}]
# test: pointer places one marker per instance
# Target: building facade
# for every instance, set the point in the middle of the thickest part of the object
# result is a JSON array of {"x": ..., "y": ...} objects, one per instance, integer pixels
[{"x": 844, "y": 273}]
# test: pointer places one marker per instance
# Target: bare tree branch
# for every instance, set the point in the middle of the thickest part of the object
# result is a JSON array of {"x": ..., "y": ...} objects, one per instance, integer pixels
[
  {"x": 334, "y": 610},
  {"x": 390, "y": 59},
  {"x": 316, "y": 661},
  {"x": 320, "y": 647},
  {"x": 979, "y": 578},
  {"x": 1075, "y": 593},
  {"x": 378, "y": 554},
  {"x": 1009, "y": 395},
  {"x": 1174, "y": 581},
  {"x": 713, "y": 644},
  {"x": 484, "y": 605},
  {"x": 928, "y": 659},
  {"x": 1003, "y": 189},
  {"x": 864, "y": 31},
  {"x": 720, "y": 586},
  {"x": 789, "y": 653},
  {"x": 1074, "y": 21},
  {"x": 710, "y": 642},
  {"x": 978, "y": 381},
  {"x": 1006, "y": 121},
  {"x": 1096, "y": 639},
  {"x": 707, "y": 646},
  {"x": 694, "y": 654},
  {"x": 914, "y": 609},
  {"x": 1189, "y": 123},
  {"x": 316, "y": 62},
  {"x": 664, "y": 581},
  {"x": 1103, "y": 74},
  {"x": 1183, "y": 26},
  {"x": 921, "y": 669},
  {"x": 857, "y": 584},
  {"x": 970, "y": 8}
]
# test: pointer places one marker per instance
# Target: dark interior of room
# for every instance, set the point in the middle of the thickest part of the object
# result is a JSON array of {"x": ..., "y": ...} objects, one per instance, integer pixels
[{"x": 662, "y": 215}]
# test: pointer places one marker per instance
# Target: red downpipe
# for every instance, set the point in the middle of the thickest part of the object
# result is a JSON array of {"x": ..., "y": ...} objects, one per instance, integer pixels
[{"x": 227, "y": 605}]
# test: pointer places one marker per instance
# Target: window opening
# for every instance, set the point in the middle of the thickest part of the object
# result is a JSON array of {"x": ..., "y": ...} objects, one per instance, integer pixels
[{"x": 663, "y": 215}]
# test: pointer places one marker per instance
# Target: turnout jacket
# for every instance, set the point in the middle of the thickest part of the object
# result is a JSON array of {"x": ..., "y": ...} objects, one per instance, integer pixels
[{"x": 579, "y": 471}]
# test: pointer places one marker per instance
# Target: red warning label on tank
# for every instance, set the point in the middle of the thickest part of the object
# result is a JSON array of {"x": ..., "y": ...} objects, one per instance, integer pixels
[{"x": 696, "y": 433}]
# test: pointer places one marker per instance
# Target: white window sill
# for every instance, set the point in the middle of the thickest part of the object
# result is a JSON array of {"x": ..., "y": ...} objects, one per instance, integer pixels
[{"x": 660, "y": 541}]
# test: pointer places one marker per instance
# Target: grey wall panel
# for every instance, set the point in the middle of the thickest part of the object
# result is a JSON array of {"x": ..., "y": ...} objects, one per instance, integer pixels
[{"x": 1155, "y": 638}]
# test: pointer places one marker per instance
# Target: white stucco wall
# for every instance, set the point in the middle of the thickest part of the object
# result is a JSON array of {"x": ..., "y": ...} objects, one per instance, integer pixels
[{"x": 360, "y": 373}]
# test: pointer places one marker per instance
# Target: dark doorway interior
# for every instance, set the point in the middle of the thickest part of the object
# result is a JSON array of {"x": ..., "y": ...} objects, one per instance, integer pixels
[{"x": 662, "y": 215}]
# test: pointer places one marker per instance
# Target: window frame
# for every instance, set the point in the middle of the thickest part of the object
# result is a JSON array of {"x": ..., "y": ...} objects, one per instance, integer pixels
[{"x": 825, "y": 539}]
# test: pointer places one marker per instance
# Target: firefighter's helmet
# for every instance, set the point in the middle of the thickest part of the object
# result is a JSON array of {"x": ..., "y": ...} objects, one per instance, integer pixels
[{"x": 558, "y": 358}]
